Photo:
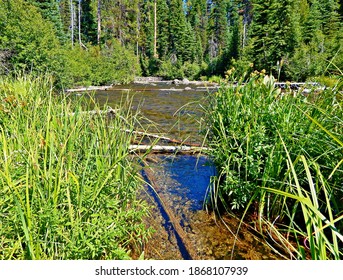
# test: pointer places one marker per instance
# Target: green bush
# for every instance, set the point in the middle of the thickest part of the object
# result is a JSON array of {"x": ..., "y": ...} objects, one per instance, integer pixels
[
  {"x": 30, "y": 41},
  {"x": 249, "y": 124},
  {"x": 191, "y": 70}
]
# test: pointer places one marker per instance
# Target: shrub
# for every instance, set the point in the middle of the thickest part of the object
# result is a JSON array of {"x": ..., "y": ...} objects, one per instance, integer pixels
[{"x": 249, "y": 123}]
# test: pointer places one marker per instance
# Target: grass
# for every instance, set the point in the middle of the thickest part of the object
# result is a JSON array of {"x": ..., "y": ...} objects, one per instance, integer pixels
[
  {"x": 67, "y": 185},
  {"x": 280, "y": 154}
]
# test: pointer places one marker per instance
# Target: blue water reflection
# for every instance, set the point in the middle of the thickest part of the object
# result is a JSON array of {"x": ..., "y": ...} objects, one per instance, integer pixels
[{"x": 193, "y": 175}]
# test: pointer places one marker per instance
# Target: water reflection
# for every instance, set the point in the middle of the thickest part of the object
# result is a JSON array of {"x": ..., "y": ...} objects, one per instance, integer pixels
[{"x": 193, "y": 175}]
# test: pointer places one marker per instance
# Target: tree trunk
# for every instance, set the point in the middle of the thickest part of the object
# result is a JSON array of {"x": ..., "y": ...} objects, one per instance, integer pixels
[
  {"x": 79, "y": 19},
  {"x": 155, "y": 29},
  {"x": 72, "y": 22},
  {"x": 99, "y": 21}
]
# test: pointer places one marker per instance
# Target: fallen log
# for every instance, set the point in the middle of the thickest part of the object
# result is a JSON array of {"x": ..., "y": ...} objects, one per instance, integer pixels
[
  {"x": 166, "y": 149},
  {"x": 90, "y": 88},
  {"x": 109, "y": 112}
]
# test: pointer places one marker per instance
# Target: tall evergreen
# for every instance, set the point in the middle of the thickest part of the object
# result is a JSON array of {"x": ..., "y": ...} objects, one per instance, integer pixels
[
  {"x": 88, "y": 22},
  {"x": 50, "y": 11},
  {"x": 271, "y": 33},
  {"x": 198, "y": 18},
  {"x": 162, "y": 28},
  {"x": 178, "y": 30},
  {"x": 218, "y": 27}
]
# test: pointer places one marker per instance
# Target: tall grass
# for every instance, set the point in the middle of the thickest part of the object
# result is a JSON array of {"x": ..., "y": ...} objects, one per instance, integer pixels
[
  {"x": 281, "y": 154},
  {"x": 67, "y": 185}
]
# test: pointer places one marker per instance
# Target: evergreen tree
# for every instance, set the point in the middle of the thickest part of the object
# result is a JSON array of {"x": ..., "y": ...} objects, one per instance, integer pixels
[
  {"x": 198, "y": 18},
  {"x": 271, "y": 33},
  {"x": 236, "y": 43},
  {"x": 218, "y": 27},
  {"x": 50, "y": 11},
  {"x": 162, "y": 29},
  {"x": 178, "y": 30},
  {"x": 88, "y": 22}
]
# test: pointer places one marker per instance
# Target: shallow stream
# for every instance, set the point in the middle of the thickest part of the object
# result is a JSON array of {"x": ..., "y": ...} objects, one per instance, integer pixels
[{"x": 181, "y": 181}]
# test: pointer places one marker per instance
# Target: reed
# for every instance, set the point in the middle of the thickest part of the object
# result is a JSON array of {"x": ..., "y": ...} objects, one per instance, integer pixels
[
  {"x": 281, "y": 154},
  {"x": 67, "y": 185}
]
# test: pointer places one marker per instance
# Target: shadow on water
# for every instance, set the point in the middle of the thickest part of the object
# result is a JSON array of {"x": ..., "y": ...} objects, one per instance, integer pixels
[{"x": 167, "y": 224}]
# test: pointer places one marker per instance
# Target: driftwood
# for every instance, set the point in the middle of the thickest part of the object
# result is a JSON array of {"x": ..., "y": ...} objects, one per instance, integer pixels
[
  {"x": 90, "y": 88},
  {"x": 166, "y": 149}
]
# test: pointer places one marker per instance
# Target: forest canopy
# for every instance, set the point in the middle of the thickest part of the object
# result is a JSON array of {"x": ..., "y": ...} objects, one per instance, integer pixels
[{"x": 102, "y": 41}]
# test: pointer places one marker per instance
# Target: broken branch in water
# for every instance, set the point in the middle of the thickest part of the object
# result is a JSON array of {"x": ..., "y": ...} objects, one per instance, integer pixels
[
  {"x": 109, "y": 112},
  {"x": 90, "y": 88}
]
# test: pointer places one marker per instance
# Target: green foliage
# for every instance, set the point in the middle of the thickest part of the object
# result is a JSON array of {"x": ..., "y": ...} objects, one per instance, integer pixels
[
  {"x": 247, "y": 123},
  {"x": 93, "y": 66},
  {"x": 29, "y": 39},
  {"x": 49, "y": 10},
  {"x": 271, "y": 33},
  {"x": 290, "y": 39},
  {"x": 191, "y": 70},
  {"x": 162, "y": 29},
  {"x": 67, "y": 185},
  {"x": 282, "y": 154}
]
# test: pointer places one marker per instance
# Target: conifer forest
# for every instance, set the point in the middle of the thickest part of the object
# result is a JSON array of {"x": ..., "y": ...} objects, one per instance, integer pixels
[{"x": 111, "y": 41}]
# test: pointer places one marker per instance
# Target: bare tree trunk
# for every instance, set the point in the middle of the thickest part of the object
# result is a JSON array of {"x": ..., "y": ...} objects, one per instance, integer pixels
[
  {"x": 72, "y": 22},
  {"x": 99, "y": 21},
  {"x": 155, "y": 29},
  {"x": 80, "y": 42},
  {"x": 138, "y": 31}
]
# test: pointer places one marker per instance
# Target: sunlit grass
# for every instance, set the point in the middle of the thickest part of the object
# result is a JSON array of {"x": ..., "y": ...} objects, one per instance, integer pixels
[{"x": 67, "y": 185}]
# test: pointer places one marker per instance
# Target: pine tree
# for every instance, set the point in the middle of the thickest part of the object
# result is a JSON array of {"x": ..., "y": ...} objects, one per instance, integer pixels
[
  {"x": 50, "y": 11},
  {"x": 88, "y": 22},
  {"x": 177, "y": 30},
  {"x": 259, "y": 33},
  {"x": 162, "y": 29},
  {"x": 218, "y": 27},
  {"x": 271, "y": 33},
  {"x": 198, "y": 18}
]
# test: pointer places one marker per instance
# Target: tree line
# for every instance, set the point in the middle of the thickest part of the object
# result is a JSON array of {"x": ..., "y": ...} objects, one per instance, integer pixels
[{"x": 111, "y": 40}]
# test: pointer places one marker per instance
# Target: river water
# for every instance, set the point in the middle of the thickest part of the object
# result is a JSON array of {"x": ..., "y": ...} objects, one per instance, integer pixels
[{"x": 182, "y": 181}]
